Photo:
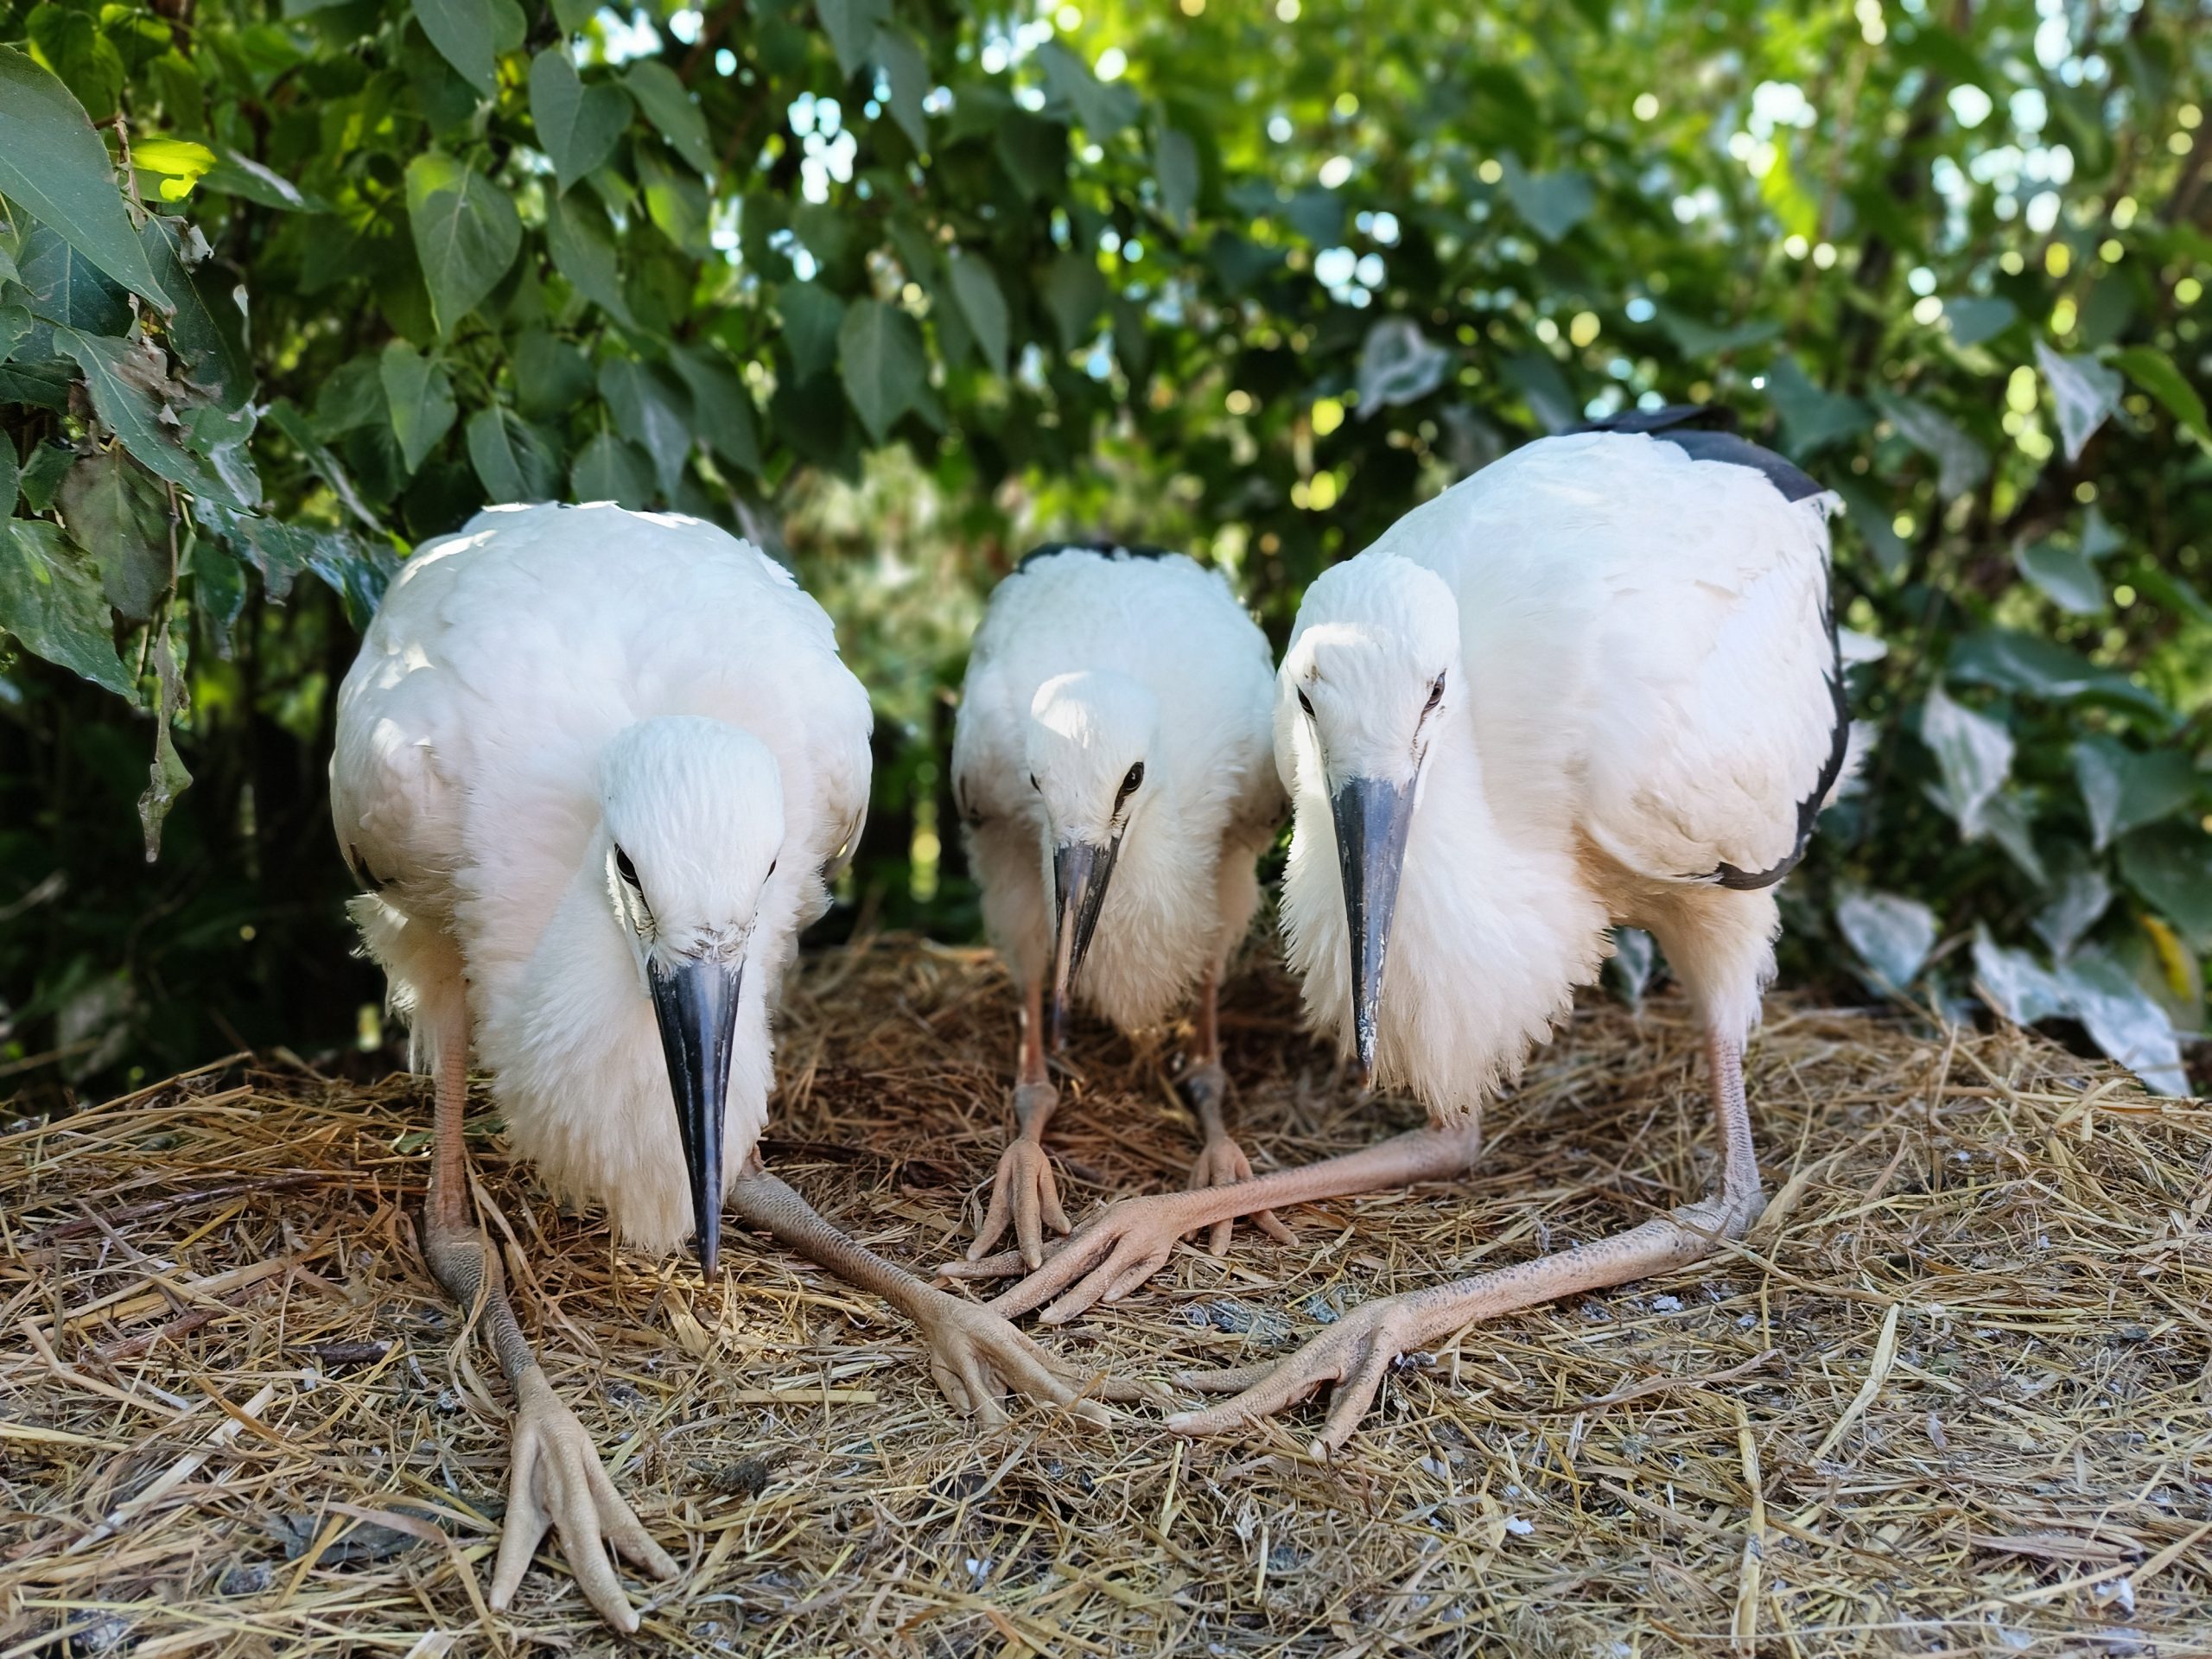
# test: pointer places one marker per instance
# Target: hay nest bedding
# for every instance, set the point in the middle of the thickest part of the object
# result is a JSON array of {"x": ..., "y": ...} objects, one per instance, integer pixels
[{"x": 1951, "y": 1396}]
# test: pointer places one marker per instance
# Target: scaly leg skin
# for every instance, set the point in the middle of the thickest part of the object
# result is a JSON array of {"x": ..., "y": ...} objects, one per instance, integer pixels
[
  {"x": 1356, "y": 1353},
  {"x": 1124, "y": 1244},
  {"x": 1023, "y": 1191},
  {"x": 975, "y": 1355},
  {"x": 555, "y": 1481},
  {"x": 1221, "y": 1161}
]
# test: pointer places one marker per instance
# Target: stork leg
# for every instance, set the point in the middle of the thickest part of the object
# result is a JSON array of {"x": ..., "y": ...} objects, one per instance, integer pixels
[
  {"x": 1356, "y": 1353},
  {"x": 1204, "y": 1086},
  {"x": 555, "y": 1482},
  {"x": 1124, "y": 1244},
  {"x": 1023, "y": 1192},
  {"x": 974, "y": 1355}
]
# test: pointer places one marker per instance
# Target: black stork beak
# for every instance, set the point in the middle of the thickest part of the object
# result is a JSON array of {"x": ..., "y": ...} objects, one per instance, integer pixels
[
  {"x": 1371, "y": 816},
  {"x": 695, "y": 1002},
  {"x": 1081, "y": 870}
]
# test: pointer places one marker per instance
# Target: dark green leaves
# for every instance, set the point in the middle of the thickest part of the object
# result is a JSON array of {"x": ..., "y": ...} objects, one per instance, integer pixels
[
  {"x": 650, "y": 414},
  {"x": 511, "y": 459},
  {"x": 668, "y": 106},
  {"x": 722, "y": 416},
  {"x": 53, "y": 166},
  {"x": 2152, "y": 370},
  {"x": 2124, "y": 789},
  {"x": 908, "y": 74},
  {"x": 1552, "y": 203},
  {"x": 64, "y": 287},
  {"x": 50, "y": 599},
  {"x": 812, "y": 316},
  {"x": 577, "y": 124},
  {"x": 112, "y": 502},
  {"x": 2067, "y": 578},
  {"x": 611, "y": 470},
  {"x": 1101, "y": 109},
  {"x": 1074, "y": 293},
  {"x": 420, "y": 395},
  {"x": 583, "y": 246},
  {"x": 466, "y": 234},
  {"x": 1812, "y": 419},
  {"x": 851, "y": 25},
  {"x": 880, "y": 350},
  {"x": 1175, "y": 170},
  {"x": 472, "y": 34},
  {"x": 983, "y": 307},
  {"x": 130, "y": 392}
]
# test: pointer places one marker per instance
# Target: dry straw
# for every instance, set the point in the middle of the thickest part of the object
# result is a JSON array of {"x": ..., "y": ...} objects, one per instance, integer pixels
[{"x": 1952, "y": 1396}]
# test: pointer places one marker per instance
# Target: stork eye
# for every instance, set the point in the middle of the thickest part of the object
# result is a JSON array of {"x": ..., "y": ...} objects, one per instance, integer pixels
[
  {"x": 1129, "y": 782},
  {"x": 629, "y": 871},
  {"x": 1435, "y": 696},
  {"x": 1306, "y": 704}
]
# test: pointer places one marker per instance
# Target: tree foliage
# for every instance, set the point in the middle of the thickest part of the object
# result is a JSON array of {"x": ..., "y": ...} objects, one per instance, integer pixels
[{"x": 287, "y": 287}]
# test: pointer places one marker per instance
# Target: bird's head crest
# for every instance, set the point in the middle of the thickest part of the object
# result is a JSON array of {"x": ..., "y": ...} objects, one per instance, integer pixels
[
  {"x": 1372, "y": 660},
  {"x": 1092, "y": 750}
]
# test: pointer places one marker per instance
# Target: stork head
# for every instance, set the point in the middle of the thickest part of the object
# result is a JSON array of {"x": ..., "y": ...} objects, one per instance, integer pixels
[
  {"x": 693, "y": 815},
  {"x": 1372, "y": 667},
  {"x": 1091, "y": 746}
]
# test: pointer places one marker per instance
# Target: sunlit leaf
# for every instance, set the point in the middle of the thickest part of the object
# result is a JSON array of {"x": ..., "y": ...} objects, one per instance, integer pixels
[
  {"x": 2015, "y": 984},
  {"x": 1973, "y": 752},
  {"x": 466, "y": 234},
  {"x": 2124, "y": 1022},
  {"x": 2086, "y": 392}
]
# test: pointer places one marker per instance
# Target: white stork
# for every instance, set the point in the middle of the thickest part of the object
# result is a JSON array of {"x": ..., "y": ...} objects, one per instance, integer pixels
[
  {"x": 1113, "y": 764},
  {"x": 1594, "y": 684},
  {"x": 597, "y": 768}
]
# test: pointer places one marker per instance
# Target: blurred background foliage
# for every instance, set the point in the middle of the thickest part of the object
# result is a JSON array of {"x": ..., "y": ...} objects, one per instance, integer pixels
[{"x": 899, "y": 288}]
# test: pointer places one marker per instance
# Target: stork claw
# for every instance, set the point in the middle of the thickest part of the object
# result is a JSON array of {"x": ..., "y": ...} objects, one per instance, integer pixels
[
  {"x": 558, "y": 1484},
  {"x": 1024, "y": 1192},
  {"x": 1222, "y": 1162},
  {"x": 1355, "y": 1354},
  {"x": 976, "y": 1357}
]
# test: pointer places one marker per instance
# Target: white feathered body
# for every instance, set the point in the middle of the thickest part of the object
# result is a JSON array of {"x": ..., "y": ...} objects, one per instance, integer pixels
[
  {"x": 1184, "y": 886},
  {"x": 1643, "y": 694},
  {"x": 470, "y": 731}
]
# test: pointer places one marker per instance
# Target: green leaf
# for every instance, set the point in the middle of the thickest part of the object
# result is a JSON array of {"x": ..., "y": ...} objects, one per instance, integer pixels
[
  {"x": 1975, "y": 755},
  {"x": 69, "y": 39},
  {"x": 15, "y": 325},
  {"x": 1697, "y": 340},
  {"x": 207, "y": 330},
  {"x": 1399, "y": 364},
  {"x": 2171, "y": 866},
  {"x": 50, "y": 600},
  {"x": 1867, "y": 513},
  {"x": 2152, "y": 370},
  {"x": 908, "y": 72},
  {"x": 166, "y": 778},
  {"x": 1811, "y": 418},
  {"x": 611, "y": 470},
  {"x": 511, "y": 459},
  {"x": 235, "y": 174},
  {"x": 68, "y": 288},
  {"x": 1552, "y": 203},
  {"x": 880, "y": 353},
  {"x": 420, "y": 396},
  {"x": 2067, "y": 578},
  {"x": 583, "y": 246},
  {"x": 551, "y": 376},
  {"x": 2021, "y": 662},
  {"x": 1074, "y": 293},
  {"x": 677, "y": 202},
  {"x": 466, "y": 234},
  {"x": 667, "y": 103},
  {"x": 578, "y": 125},
  {"x": 176, "y": 165},
  {"x": 1103, "y": 109},
  {"x": 976, "y": 288},
  {"x": 218, "y": 590},
  {"x": 851, "y": 25},
  {"x": 722, "y": 410},
  {"x": 1972, "y": 321},
  {"x": 812, "y": 316},
  {"x": 1034, "y": 152},
  {"x": 130, "y": 391},
  {"x": 2124, "y": 789},
  {"x": 1892, "y": 935},
  {"x": 470, "y": 35},
  {"x": 11, "y": 473},
  {"x": 1961, "y": 463},
  {"x": 574, "y": 15},
  {"x": 44, "y": 468},
  {"x": 1175, "y": 170},
  {"x": 2086, "y": 392},
  {"x": 651, "y": 413},
  {"x": 111, "y": 502}
]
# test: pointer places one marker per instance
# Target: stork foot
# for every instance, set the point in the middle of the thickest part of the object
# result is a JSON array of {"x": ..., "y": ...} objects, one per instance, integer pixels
[
  {"x": 1221, "y": 1161},
  {"x": 559, "y": 1485},
  {"x": 1024, "y": 1193},
  {"x": 1355, "y": 1354},
  {"x": 1115, "y": 1251},
  {"x": 977, "y": 1357}
]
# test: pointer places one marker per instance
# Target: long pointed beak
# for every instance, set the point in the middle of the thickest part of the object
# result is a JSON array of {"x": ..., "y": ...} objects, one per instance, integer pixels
[
  {"x": 1371, "y": 814},
  {"x": 696, "y": 1005},
  {"x": 1081, "y": 870}
]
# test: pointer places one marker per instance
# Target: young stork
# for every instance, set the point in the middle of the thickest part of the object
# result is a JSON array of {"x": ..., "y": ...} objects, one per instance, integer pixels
[
  {"x": 597, "y": 769},
  {"x": 1595, "y": 684},
  {"x": 1113, "y": 764}
]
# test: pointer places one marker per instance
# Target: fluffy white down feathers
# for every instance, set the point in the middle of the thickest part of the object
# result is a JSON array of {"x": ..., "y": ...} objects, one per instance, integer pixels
[
  {"x": 550, "y": 684},
  {"x": 1638, "y": 658},
  {"x": 1086, "y": 664}
]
